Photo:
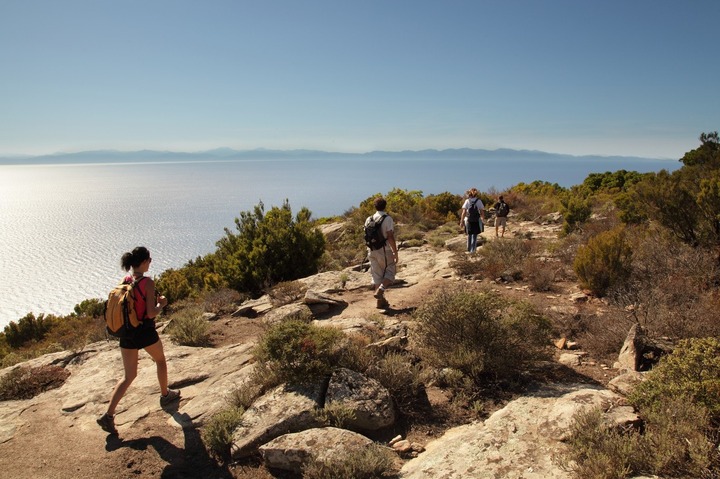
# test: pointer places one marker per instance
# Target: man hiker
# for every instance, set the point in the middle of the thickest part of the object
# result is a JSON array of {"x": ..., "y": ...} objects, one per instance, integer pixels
[
  {"x": 382, "y": 250},
  {"x": 501, "y": 211}
]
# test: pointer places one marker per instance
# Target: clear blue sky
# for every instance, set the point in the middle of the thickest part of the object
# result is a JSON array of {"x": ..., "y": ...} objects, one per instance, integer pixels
[{"x": 610, "y": 77}]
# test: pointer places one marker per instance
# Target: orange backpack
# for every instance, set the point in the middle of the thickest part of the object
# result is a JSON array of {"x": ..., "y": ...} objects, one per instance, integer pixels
[{"x": 121, "y": 319}]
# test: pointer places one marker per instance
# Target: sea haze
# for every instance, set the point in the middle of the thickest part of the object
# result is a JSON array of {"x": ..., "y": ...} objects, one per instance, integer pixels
[{"x": 67, "y": 219}]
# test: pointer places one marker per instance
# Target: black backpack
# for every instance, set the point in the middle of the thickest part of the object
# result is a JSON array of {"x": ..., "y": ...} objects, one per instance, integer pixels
[
  {"x": 374, "y": 238},
  {"x": 503, "y": 209},
  {"x": 473, "y": 212}
]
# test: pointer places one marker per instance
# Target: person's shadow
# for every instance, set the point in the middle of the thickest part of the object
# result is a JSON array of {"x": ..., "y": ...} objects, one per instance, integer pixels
[{"x": 190, "y": 461}]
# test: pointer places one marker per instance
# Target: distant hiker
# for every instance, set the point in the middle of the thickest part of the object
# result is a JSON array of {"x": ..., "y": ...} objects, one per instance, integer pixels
[
  {"x": 382, "y": 250},
  {"x": 501, "y": 211},
  {"x": 148, "y": 305},
  {"x": 473, "y": 212}
]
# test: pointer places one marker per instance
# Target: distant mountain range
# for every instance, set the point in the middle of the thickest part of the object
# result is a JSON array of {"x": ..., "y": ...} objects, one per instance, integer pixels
[{"x": 114, "y": 156}]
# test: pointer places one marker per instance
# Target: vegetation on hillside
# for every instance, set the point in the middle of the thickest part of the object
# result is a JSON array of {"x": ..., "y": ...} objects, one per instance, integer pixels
[{"x": 647, "y": 244}]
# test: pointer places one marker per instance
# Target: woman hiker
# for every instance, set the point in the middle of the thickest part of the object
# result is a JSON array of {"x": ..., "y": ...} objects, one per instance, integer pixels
[
  {"x": 145, "y": 337},
  {"x": 470, "y": 218}
]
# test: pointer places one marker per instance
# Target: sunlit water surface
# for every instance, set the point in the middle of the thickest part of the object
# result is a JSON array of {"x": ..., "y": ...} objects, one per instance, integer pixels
[{"x": 63, "y": 228}]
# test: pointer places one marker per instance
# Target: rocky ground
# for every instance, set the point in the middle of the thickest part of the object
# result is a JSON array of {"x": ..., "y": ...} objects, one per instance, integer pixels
[{"x": 54, "y": 435}]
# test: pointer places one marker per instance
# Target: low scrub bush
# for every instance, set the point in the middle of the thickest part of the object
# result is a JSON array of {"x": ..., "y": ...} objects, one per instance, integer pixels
[
  {"x": 677, "y": 439},
  {"x": 218, "y": 432},
  {"x": 605, "y": 262},
  {"x": 402, "y": 379},
  {"x": 286, "y": 292},
  {"x": 674, "y": 443},
  {"x": 244, "y": 395},
  {"x": 505, "y": 257},
  {"x": 189, "y": 328},
  {"x": 75, "y": 332},
  {"x": 671, "y": 288},
  {"x": 372, "y": 462},
  {"x": 691, "y": 372},
  {"x": 222, "y": 301},
  {"x": 335, "y": 415},
  {"x": 480, "y": 334},
  {"x": 298, "y": 352},
  {"x": 26, "y": 383},
  {"x": 353, "y": 352},
  {"x": 597, "y": 451},
  {"x": 540, "y": 275},
  {"x": 602, "y": 335}
]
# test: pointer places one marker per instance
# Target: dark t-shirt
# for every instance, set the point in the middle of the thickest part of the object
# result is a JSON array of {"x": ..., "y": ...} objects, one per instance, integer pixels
[{"x": 499, "y": 213}]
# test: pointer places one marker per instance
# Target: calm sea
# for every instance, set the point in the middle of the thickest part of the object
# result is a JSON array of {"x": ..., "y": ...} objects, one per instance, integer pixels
[{"x": 64, "y": 227}]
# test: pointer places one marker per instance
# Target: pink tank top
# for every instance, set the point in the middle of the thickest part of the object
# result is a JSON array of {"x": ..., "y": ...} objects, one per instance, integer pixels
[{"x": 140, "y": 302}]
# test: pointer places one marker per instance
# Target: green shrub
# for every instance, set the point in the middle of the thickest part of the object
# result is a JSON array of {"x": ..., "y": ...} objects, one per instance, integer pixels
[
  {"x": 480, "y": 334},
  {"x": 174, "y": 284},
  {"x": 444, "y": 205},
  {"x": 218, "y": 432},
  {"x": 692, "y": 371},
  {"x": 679, "y": 439},
  {"x": 372, "y": 462},
  {"x": 189, "y": 328},
  {"x": 26, "y": 383},
  {"x": 299, "y": 352},
  {"x": 27, "y": 329},
  {"x": 604, "y": 262},
  {"x": 576, "y": 210},
  {"x": 90, "y": 307},
  {"x": 269, "y": 248}
]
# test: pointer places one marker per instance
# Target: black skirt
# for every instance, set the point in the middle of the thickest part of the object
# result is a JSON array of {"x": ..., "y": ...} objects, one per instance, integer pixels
[
  {"x": 474, "y": 227},
  {"x": 143, "y": 337}
]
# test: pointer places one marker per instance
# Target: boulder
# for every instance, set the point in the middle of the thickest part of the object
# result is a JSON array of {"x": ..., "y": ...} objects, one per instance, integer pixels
[
  {"x": 569, "y": 359},
  {"x": 626, "y": 382},
  {"x": 391, "y": 344},
  {"x": 558, "y": 419},
  {"x": 278, "y": 412},
  {"x": 513, "y": 443},
  {"x": 297, "y": 311},
  {"x": 521, "y": 440},
  {"x": 292, "y": 452},
  {"x": 254, "y": 307},
  {"x": 639, "y": 352},
  {"x": 369, "y": 401},
  {"x": 312, "y": 297}
]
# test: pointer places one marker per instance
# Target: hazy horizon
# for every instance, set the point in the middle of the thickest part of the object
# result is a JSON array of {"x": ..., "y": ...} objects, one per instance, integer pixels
[{"x": 611, "y": 78}]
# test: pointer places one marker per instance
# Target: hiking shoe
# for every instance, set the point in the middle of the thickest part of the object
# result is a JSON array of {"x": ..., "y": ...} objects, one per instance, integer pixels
[
  {"x": 107, "y": 423},
  {"x": 172, "y": 395},
  {"x": 379, "y": 293},
  {"x": 382, "y": 303}
]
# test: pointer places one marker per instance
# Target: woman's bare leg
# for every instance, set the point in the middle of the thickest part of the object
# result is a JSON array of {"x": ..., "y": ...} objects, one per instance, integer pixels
[
  {"x": 157, "y": 353},
  {"x": 130, "y": 365}
]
